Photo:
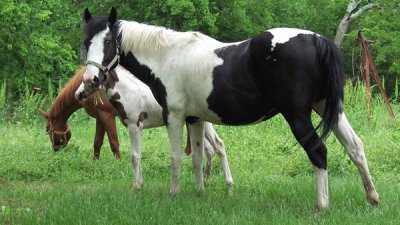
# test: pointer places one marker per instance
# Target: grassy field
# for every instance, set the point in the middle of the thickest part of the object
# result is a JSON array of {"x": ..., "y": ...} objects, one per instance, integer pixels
[{"x": 274, "y": 181}]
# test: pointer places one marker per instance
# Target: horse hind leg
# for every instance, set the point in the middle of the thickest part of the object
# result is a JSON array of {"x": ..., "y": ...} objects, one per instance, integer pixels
[
  {"x": 208, "y": 149},
  {"x": 355, "y": 149},
  {"x": 219, "y": 148},
  {"x": 306, "y": 135},
  {"x": 196, "y": 132}
]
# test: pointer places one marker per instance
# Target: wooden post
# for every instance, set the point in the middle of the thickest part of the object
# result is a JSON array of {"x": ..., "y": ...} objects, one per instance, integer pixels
[{"x": 369, "y": 63}]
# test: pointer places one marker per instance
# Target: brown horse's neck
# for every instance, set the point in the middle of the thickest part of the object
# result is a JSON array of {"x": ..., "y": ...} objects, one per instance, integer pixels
[{"x": 65, "y": 103}]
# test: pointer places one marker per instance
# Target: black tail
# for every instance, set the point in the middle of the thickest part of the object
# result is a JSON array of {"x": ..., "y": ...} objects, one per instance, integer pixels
[{"x": 332, "y": 68}]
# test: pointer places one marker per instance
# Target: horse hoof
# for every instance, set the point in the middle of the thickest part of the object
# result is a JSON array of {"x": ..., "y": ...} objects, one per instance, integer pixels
[
  {"x": 230, "y": 191},
  {"x": 373, "y": 198},
  {"x": 137, "y": 187},
  {"x": 174, "y": 191}
]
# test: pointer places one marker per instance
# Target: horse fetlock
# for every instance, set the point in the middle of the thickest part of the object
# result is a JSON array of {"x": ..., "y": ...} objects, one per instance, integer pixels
[
  {"x": 174, "y": 190},
  {"x": 322, "y": 204}
]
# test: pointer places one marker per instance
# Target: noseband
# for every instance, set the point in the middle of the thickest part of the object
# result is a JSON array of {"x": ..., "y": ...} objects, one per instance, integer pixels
[
  {"x": 52, "y": 132},
  {"x": 106, "y": 69}
]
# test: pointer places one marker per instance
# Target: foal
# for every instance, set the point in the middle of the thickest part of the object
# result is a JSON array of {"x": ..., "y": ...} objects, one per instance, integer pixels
[
  {"x": 97, "y": 106},
  {"x": 138, "y": 109}
]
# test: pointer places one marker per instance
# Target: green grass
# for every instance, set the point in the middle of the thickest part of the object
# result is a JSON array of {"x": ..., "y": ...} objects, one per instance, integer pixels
[
  {"x": 274, "y": 181},
  {"x": 265, "y": 200}
]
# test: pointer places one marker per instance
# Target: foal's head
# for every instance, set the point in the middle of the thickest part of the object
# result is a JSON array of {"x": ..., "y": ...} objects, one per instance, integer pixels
[
  {"x": 58, "y": 131},
  {"x": 102, "y": 47}
]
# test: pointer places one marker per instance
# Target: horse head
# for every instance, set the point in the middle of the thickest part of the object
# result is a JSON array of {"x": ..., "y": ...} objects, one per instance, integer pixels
[
  {"x": 58, "y": 131},
  {"x": 102, "y": 48}
]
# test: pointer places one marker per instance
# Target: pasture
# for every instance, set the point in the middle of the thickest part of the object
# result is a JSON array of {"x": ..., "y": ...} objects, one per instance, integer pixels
[{"x": 274, "y": 180}]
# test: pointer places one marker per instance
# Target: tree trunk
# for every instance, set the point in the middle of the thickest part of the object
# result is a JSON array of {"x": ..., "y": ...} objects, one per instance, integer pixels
[{"x": 353, "y": 12}]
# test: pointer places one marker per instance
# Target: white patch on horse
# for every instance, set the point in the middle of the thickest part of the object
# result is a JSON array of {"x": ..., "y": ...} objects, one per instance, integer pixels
[
  {"x": 283, "y": 35},
  {"x": 171, "y": 48},
  {"x": 95, "y": 53}
]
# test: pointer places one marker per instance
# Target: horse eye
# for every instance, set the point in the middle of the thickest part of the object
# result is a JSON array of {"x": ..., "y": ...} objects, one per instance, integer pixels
[{"x": 108, "y": 42}]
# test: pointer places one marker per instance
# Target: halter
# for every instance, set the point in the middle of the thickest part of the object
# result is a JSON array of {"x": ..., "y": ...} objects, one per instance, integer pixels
[
  {"x": 52, "y": 132},
  {"x": 106, "y": 69}
]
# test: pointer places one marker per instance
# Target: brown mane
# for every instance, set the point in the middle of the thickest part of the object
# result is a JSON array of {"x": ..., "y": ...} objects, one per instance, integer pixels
[{"x": 66, "y": 97}]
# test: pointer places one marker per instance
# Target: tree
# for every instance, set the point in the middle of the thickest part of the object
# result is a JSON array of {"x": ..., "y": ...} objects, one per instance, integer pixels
[
  {"x": 354, "y": 10},
  {"x": 34, "y": 43}
]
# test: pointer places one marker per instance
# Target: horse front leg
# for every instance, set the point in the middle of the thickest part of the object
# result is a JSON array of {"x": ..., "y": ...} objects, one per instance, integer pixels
[
  {"x": 135, "y": 134},
  {"x": 175, "y": 135},
  {"x": 196, "y": 132},
  {"x": 108, "y": 121},
  {"x": 98, "y": 138}
]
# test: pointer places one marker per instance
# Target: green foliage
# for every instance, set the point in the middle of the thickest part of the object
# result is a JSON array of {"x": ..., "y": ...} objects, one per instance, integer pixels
[
  {"x": 33, "y": 43},
  {"x": 31, "y": 102},
  {"x": 40, "y": 40},
  {"x": 380, "y": 26}
]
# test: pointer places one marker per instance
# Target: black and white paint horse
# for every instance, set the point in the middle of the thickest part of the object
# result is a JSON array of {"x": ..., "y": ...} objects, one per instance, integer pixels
[{"x": 196, "y": 78}]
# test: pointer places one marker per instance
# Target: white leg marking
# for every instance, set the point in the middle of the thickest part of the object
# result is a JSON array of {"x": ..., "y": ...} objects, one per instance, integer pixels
[
  {"x": 175, "y": 135},
  {"x": 219, "y": 147},
  {"x": 322, "y": 188},
  {"x": 135, "y": 134},
  {"x": 196, "y": 131},
  {"x": 355, "y": 149}
]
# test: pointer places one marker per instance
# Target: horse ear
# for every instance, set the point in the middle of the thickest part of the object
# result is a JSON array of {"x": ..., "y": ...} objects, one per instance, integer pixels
[
  {"x": 87, "y": 15},
  {"x": 112, "y": 18},
  {"x": 44, "y": 114}
]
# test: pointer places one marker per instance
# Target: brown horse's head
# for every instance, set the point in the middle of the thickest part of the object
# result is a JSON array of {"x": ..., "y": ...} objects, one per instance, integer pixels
[{"x": 58, "y": 130}]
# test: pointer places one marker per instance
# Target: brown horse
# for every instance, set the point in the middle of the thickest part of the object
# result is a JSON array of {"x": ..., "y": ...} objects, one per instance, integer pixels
[{"x": 97, "y": 106}]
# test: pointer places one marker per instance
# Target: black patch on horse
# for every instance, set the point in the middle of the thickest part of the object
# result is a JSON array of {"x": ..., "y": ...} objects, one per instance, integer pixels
[
  {"x": 191, "y": 119},
  {"x": 144, "y": 74},
  {"x": 236, "y": 97}
]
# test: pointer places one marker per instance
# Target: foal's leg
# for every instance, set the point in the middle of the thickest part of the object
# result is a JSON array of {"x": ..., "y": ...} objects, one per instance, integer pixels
[
  {"x": 209, "y": 150},
  {"x": 135, "y": 134},
  {"x": 355, "y": 149},
  {"x": 108, "y": 121},
  {"x": 196, "y": 132},
  {"x": 219, "y": 147},
  {"x": 175, "y": 135},
  {"x": 306, "y": 135},
  {"x": 98, "y": 138}
]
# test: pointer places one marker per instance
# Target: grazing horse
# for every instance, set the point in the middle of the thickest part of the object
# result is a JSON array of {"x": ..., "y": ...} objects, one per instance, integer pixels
[
  {"x": 138, "y": 109},
  {"x": 97, "y": 106},
  {"x": 196, "y": 78}
]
